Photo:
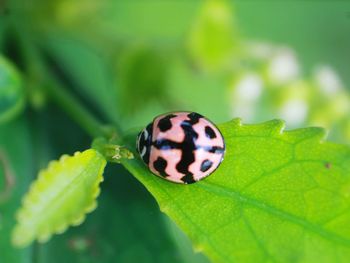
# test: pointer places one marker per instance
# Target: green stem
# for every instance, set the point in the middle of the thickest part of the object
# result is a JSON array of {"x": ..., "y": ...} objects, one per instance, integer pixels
[
  {"x": 64, "y": 99},
  {"x": 74, "y": 109}
]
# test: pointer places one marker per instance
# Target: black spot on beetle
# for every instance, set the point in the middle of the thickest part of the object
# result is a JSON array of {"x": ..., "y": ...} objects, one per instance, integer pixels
[
  {"x": 164, "y": 145},
  {"x": 205, "y": 166},
  {"x": 214, "y": 149},
  {"x": 160, "y": 165},
  {"x": 164, "y": 124},
  {"x": 194, "y": 117},
  {"x": 187, "y": 147},
  {"x": 209, "y": 132},
  {"x": 188, "y": 179}
]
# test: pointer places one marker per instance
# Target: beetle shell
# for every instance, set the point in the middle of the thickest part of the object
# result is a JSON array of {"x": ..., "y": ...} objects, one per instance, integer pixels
[{"x": 182, "y": 147}]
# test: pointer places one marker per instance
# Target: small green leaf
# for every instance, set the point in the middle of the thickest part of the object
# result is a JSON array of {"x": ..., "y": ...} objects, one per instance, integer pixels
[
  {"x": 279, "y": 196},
  {"x": 60, "y": 197},
  {"x": 11, "y": 91}
]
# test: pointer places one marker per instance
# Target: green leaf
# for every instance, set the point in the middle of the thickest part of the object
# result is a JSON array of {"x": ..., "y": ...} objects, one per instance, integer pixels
[
  {"x": 11, "y": 91},
  {"x": 278, "y": 196},
  {"x": 61, "y": 196},
  {"x": 86, "y": 68},
  {"x": 16, "y": 164},
  {"x": 122, "y": 229}
]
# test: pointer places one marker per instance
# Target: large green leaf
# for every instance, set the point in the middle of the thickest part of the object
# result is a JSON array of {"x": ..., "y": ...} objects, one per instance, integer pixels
[{"x": 278, "y": 196}]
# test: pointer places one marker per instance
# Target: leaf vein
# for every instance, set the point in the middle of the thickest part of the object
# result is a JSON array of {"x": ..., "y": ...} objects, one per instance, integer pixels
[{"x": 224, "y": 191}]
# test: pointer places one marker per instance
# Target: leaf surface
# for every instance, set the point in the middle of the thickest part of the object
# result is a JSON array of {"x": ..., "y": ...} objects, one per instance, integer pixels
[
  {"x": 279, "y": 196},
  {"x": 122, "y": 229},
  {"x": 61, "y": 196}
]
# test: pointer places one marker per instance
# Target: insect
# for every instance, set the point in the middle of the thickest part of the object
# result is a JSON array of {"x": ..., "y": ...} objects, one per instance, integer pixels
[{"x": 182, "y": 147}]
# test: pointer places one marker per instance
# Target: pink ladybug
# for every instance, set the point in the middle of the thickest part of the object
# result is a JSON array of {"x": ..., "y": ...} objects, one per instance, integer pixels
[{"x": 182, "y": 147}]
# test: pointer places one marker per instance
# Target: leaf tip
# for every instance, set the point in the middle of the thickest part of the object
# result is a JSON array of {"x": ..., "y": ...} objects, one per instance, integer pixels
[
  {"x": 236, "y": 122},
  {"x": 318, "y": 133},
  {"x": 277, "y": 126}
]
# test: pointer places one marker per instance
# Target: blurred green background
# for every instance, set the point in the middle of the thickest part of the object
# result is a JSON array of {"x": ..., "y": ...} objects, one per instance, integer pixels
[{"x": 128, "y": 61}]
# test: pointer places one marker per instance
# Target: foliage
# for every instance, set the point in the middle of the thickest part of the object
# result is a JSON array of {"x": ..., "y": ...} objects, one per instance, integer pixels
[
  {"x": 60, "y": 197},
  {"x": 126, "y": 62},
  {"x": 279, "y": 196},
  {"x": 11, "y": 91}
]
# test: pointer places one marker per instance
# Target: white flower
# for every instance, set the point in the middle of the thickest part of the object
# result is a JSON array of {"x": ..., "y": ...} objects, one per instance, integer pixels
[
  {"x": 283, "y": 67},
  {"x": 327, "y": 80}
]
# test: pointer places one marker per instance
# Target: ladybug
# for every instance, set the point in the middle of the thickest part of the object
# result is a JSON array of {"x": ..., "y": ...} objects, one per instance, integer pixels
[{"x": 182, "y": 147}]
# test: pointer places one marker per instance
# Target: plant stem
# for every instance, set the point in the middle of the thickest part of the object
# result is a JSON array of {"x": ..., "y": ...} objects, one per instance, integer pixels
[
  {"x": 59, "y": 94},
  {"x": 74, "y": 109}
]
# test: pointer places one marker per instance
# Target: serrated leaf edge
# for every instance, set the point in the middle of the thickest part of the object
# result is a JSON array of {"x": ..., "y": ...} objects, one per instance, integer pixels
[
  {"x": 74, "y": 221},
  {"x": 200, "y": 243},
  {"x": 278, "y": 127}
]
